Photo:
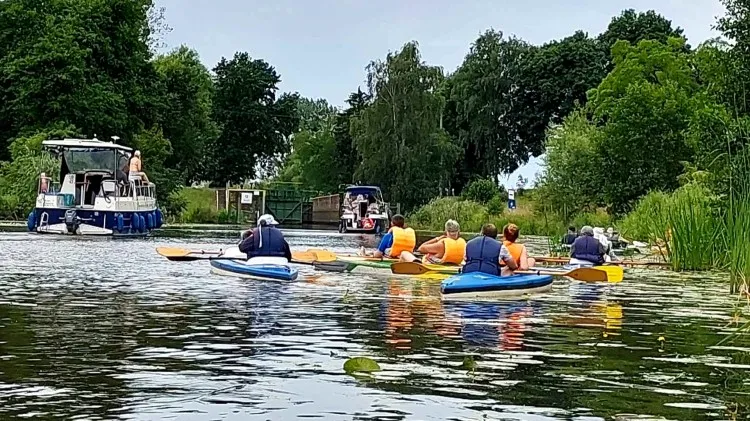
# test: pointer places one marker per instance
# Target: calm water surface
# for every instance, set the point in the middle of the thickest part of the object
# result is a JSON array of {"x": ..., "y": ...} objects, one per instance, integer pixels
[{"x": 107, "y": 329}]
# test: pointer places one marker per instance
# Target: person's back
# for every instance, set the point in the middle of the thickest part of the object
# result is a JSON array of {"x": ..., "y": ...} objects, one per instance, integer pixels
[
  {"x": 266, "y": 240},
  {"x": 483, "y": 255},
  {"x": 398, "y": 239},
  {"x": 570, "y": 237},
  {"x": 587, "y": 248},
  {"x": 135, "y": 164}
]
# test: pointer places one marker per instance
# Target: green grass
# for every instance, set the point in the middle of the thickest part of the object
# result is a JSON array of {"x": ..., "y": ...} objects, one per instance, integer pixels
[
  {"x": 201, "y": 207},
  {"x": 471, "y": 216}
]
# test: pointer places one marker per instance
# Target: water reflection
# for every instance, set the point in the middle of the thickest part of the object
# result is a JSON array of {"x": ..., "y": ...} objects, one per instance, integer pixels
[{"x": 87, "y": 334}]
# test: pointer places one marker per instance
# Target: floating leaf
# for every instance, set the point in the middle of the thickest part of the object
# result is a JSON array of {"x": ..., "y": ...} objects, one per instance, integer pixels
[
  {"x": 361, "y": 364},
  {"x": 469, "y": 364}
]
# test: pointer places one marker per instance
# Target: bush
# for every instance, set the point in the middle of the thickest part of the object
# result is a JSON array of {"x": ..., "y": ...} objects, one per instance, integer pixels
[
  {"x": 481, "y": 191},
  {"x": 495, "y": 206},
  {"x": 432, "y": 216}
]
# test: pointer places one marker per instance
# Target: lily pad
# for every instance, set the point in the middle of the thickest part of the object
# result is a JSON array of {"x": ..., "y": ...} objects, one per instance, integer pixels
[{"x": 361, "y": 364}]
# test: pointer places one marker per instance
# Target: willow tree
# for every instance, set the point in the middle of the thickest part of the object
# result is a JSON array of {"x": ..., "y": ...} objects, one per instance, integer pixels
[{"x": 399, "y": 137}]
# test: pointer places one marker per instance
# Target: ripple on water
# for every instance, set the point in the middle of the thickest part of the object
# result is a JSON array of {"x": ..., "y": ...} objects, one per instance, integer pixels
[{"x": 92, "y": 335}]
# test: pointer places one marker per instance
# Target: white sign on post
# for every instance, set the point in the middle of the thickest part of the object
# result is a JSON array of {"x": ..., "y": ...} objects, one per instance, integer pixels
[{"x": 246, "y": 199}]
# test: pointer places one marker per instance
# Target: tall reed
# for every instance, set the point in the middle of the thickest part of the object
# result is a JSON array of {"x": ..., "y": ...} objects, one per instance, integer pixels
[
  {"x": 694, "y": 229},
  {"x": 737, "y": 222}
]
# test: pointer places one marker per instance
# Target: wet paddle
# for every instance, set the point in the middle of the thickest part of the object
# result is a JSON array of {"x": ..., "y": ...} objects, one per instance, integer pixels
[{"x": 598, "y": 274}]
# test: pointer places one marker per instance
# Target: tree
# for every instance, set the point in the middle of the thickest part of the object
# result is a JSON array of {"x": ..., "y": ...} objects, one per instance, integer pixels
[
  {"x": 347, "y": 158},
  {"x": 572, "y": 178},
  {"x": 735, "y": 25},
  {"x": 186, "y": 119},
  {"x": 484, "y": 114},
  {"x": 635, "y": 27},
  {"x": 315, "y": 114},
  {"x": 399, "y": 136},
  {"x": 84, "y": 63},
  {"x": 255, "y": 124},
  {"x": 644, "y": 106},
  {"x": 555, "y": 80}
]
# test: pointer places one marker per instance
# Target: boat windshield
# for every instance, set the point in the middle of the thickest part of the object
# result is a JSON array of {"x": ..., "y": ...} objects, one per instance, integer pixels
[{"x": 83, "y": 160}]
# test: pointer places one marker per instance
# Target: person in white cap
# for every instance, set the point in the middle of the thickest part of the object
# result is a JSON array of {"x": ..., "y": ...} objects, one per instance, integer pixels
[
  {"x": 265, "y": 240},
  {"x": 136, "y": 167}
]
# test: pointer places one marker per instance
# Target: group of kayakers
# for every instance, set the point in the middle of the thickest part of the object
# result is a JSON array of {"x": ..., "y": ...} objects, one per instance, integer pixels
[
  {"x": 590, "y": 237},
  {"x": 483, "y": 253}
]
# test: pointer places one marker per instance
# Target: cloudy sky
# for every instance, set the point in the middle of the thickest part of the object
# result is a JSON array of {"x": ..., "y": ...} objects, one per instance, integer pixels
[{"x": 321, "y": 47}]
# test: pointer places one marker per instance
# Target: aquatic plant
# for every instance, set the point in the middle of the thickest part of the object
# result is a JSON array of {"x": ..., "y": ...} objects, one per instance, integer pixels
[
  {"x": 361, "y": 365},
  {"x": 692, "y": 229}
]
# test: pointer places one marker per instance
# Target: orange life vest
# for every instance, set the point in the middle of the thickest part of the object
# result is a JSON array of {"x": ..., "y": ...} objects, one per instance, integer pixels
[
  {"x": 515, "y": 250},
  {"x": 454, "y": 250},
  {"x": 404, "y": 239}
]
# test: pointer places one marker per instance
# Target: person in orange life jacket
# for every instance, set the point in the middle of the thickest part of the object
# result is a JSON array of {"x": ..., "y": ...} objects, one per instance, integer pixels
[
  {"x": 449, "y": 248},
  {"x": 397, "y": 240},
  {"x": 517, "y": 251},
  {"x": 587, "y": 250},
  {"x": 265, "y": 240},
  {"x": 484, "y": 253}
]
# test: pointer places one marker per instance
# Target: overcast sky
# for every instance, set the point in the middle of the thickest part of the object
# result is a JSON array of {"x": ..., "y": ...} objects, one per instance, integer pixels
[{"x": 321, "y": 47}]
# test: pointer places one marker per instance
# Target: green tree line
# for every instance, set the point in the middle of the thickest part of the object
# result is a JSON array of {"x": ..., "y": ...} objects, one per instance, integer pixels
[{"x": 619, "y": 114}]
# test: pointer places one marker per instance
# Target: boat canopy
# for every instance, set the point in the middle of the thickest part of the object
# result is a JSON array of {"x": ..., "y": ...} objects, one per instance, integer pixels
[
  {"x": 83, "y": 144},
  {"x": 363, "y": 190}
]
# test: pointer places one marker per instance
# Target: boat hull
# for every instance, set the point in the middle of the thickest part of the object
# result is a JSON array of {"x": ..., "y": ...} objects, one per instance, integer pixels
[
  {"x": 94, "y": 222},
  {"x": 265, "y": 272},
  {"x": 481, "y": 285}
]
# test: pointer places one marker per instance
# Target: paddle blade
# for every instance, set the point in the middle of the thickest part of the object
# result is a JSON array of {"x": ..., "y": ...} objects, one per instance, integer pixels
[
  {"x": 323, "y": 255},
  {"x": 587, "y": 275},
  {"x": 410, "y": 268},
  {"x": 332, "y": 266},
  {"x": 172, "y": 252},
  {"x": 614, "y": 273},
  {"x": 304, "y": 256}
]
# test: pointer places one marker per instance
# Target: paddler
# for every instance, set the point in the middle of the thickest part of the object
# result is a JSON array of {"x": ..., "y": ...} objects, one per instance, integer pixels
[
  {"x": 517, "y": 251},
  {"x": 265, "y": 240},
  {"x": 485, "y": 254},
  {"x": 398, "y": 239},
  {"x": 449, "y": 248},
  {"x": 587, "y": 250}
]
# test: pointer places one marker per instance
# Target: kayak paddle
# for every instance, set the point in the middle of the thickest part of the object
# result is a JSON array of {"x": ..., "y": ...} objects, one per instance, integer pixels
[
  {"x": 579, "y": 274},
  {"x": 416, "y": 268},
  {"x": 183, "y": 255}
]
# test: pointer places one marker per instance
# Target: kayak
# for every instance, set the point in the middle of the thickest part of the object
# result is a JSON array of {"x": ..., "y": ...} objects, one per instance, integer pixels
[
  {"x": 375, "y": 265},
  {"x": 477, "y": 284},
  {"x": 261, "y": 269}
]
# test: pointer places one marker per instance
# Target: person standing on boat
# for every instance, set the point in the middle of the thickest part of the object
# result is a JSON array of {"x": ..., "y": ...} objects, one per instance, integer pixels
[
  {"x": 449, "y": 248},
  {"x": 398, "y": 239},
  {"x": 136, "y": 167},
  {"x": 265, "y": 240},
  {"x": 484, "y": 253},
  {"x": 587, "y": 250}
]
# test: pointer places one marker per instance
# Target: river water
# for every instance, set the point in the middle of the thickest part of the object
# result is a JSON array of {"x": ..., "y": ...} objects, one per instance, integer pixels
[{"x": 107, "y": 329}]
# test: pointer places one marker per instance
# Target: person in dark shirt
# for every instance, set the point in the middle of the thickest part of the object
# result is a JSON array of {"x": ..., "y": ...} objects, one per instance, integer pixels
[
  {"x": 265, "y": 240},
  {"x": 587, "y": 250},
  {"x": 570, "y": 237}
]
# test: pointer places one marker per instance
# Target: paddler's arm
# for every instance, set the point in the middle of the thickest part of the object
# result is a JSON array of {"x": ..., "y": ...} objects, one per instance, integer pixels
[
  {"x": 287, "y": 251},
  {"x": 507, "y": 258},
  {"x": 432, "y": 246},
  {"x": 524, "y": 259},
  {"x": 385, "y": 244},
  {"x": 247, "y": 244}
]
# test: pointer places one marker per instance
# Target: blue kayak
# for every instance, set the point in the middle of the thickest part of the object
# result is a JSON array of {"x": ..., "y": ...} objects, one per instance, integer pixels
[
  {"x": 477, "y": 284},
  {"x": 255, "y": 271}
]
